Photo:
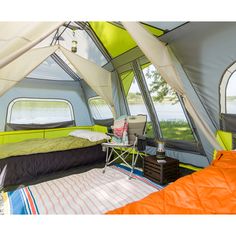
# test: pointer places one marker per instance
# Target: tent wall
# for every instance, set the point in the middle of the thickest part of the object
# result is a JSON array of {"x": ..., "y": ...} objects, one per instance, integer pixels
[
  {"x": 205, "y": 50},
  {"x": 184, "y": 157},
  {"x": 89, "y": 93},
  {"x": 118, "y": 97},
  {"x": 33, "y": 88}
]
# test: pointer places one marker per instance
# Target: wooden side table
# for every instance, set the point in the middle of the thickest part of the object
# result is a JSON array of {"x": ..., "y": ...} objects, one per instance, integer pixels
[{"x": 161, "y": 173}]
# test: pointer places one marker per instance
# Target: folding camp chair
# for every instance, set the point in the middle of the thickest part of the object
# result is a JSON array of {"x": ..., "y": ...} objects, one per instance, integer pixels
[{"x": 136, "y": 143}]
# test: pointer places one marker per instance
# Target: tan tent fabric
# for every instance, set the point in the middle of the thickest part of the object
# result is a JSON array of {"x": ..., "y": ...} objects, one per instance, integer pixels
[
  {"x": 156, "y": 52},
  {"x": 201, "y": 123},
  {"x": 97, "y": 78},
  {"x": 17, "y": 38},
  {"x": 22, "y": 66},
  {"x": 159, "y": 56}
]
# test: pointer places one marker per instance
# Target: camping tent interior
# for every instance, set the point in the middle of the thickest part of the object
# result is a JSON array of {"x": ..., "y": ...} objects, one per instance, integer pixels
[{"x": 121, "y": 68}]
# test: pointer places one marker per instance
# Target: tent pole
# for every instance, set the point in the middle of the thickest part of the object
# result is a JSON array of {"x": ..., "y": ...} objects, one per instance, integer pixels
[
  {"x": 147, "y": 98},
  {"x": 121, "y": 88}
]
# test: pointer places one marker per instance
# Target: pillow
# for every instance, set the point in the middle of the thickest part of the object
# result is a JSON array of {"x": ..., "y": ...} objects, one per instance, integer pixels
[
  {"x": 90, "y": 135},
  {"x": 120, "y": 130}
]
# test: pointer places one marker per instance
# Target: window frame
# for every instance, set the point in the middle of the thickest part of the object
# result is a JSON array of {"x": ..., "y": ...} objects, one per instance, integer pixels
[
  {"x": 183, "y": 109},
  {"x": 148, "y": 114},
  {"x": 99, "y": 97},
  {"x": 12, "y": 103},
  {"x": 223, "y": 87},
  {"x": 195, "y": 146}
]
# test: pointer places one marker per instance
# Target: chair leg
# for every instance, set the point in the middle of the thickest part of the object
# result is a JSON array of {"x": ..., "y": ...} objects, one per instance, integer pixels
[
  {"x": 134, "y": 160},
  {"x": 107, "y": 160}
]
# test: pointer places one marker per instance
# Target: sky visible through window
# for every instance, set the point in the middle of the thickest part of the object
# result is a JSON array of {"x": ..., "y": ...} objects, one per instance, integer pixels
[{"x": 231, "y": 87}]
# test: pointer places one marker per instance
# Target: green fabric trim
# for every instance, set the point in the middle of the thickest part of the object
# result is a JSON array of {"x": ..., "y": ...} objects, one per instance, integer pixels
[
  {"x": 22, "y": 135},
  {"x": 225, "y": 139},
  {"x": 115, "y": 39},
  {"x": 18, "y": 136},
  {"x": 127, "y": 79},
  {"x": 44, "y": 145},
  {"x": 190, "y": 167},
  {"x": 153, "y": 30},
  {"x": 100, "y": 128}
]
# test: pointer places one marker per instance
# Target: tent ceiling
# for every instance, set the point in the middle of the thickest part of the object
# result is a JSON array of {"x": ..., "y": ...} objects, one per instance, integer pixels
[
  {"x": 86, "y": 46},
  {"x": 49, "y": 70},
  {"x": 115, "y": 38},
  {"x": 108, "y": 37},
  {"x": 166, "y": 26},
  {"x": 102, "y": 42}
]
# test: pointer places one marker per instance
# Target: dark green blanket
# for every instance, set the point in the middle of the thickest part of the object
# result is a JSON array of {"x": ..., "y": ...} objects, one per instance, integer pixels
[{"x": 33, "y": 146}]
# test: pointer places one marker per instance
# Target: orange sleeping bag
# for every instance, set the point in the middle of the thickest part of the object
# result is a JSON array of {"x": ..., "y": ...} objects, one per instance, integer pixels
[{"x": 209, "y": 191}]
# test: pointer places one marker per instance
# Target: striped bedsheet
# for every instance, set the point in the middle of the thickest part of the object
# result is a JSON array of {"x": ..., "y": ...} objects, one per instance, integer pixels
[{"x": 91, "y": 192}]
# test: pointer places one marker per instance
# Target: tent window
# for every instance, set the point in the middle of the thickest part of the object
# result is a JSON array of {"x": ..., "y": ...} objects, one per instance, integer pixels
[
  {"x": 227, "y": 91},
  {"x": 231, "y": 94},
  {"x": 100, "y": 109},
  {"x": 86, "y": 47},
  {"x": 49, "y": 70},
  {"x": 173, "y": 122},
  {"x": 27, "y": 111},
  {"x": 137, "y": 106}
]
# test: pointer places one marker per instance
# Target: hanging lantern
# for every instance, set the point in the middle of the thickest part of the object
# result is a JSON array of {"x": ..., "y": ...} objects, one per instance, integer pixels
[{"x": 74, "y": 43}]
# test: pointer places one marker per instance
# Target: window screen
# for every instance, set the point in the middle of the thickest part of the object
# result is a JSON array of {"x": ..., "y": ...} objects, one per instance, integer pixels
[
  {"x": 100, "y": 109},
  {"x": 49, "y": 70},
  {"x": 231, "y": 94},
  {"x": 173, "y": 122},
  {"x": 39, "y": 111},
  {"x": 137, "y": 106}
]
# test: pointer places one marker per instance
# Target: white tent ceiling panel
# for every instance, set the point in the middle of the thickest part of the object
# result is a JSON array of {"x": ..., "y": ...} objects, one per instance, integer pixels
[
  {"x": 24, "y": 64},
  {"x": 97, "y": 78},
  {"x": 17, "y": 38},
  {"x": 51, "y": 39}
]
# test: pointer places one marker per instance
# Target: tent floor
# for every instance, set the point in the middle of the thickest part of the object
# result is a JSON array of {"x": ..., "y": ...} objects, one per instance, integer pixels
[
  {"x": 183, "y": 172},
  {"x": 57, "y": 175}
]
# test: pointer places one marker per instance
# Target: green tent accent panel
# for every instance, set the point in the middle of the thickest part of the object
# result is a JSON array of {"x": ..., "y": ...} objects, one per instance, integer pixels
[
  {"x": 225, "y": 139},
  {"x": 115, "y": 39},
  {"x": 127, "y": 79},
  {"x": 153, "y": 30}
]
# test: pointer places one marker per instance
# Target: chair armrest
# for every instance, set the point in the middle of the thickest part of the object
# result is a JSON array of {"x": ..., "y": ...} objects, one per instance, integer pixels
[{"x": 141, "y": 137}]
